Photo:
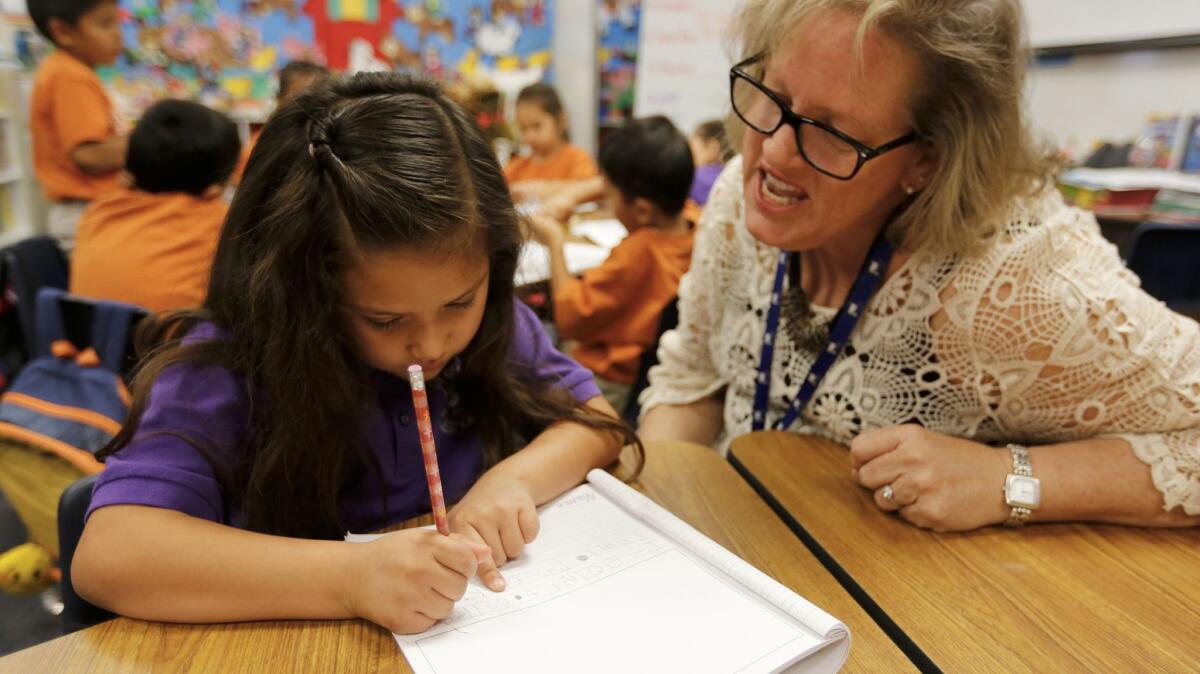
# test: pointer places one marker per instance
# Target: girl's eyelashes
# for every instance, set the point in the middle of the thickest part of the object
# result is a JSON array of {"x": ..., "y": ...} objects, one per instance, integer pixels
[
  {"x": 382, "y": 326},
  {"x": 462, "y": 304}
]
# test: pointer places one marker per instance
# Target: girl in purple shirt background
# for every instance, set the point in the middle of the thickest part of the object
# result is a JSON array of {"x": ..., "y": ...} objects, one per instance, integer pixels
[
  {"x": 373, "y": 230},
  {"x": 710, "y": 151}
]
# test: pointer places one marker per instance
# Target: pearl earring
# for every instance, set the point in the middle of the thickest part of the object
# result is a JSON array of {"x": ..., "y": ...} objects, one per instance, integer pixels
[{"x": 910, "y": 190}]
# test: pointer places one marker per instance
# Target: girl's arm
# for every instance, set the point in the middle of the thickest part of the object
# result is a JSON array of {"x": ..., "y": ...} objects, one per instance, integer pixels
[
  {"x": 158, "y": 564},
  {"x": 561, "y": 456}
]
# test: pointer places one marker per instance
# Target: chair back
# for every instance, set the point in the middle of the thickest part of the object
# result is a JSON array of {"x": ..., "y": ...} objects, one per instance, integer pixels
[
  {"x": 667, "y": 321},
  {"x": 1166, "y": 257},
  {"x": 77, "y": 613},
  {"x": 29, "y": 266}
]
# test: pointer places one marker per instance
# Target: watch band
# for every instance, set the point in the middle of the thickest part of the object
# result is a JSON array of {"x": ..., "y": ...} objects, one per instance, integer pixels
[
  {"x": 1020, "y": 458},
  {"x": 1021, "y": 466}
]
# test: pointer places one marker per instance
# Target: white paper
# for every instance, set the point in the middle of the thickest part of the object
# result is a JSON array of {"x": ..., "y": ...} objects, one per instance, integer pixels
[
  {"x": 604, "y": 233},
  {"x": 534, "y": 264},
  {"x": 602, "y": 590}
]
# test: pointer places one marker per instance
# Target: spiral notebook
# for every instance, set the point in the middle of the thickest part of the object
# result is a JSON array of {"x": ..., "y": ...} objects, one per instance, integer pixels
[{"x": 616, "y": 583}]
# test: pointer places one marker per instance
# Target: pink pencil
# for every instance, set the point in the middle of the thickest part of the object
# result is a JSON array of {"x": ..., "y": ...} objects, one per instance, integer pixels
[{"x": 416, "y": 377}]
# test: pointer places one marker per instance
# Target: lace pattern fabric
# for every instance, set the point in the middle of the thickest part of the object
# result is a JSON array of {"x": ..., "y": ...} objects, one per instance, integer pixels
[{"x": 1044, "y": 338}]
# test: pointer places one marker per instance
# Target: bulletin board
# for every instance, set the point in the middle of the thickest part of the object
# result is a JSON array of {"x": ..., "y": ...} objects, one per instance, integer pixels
[
  {"x": 226, "y": 53},
  {"x": 617, "y": 26}
]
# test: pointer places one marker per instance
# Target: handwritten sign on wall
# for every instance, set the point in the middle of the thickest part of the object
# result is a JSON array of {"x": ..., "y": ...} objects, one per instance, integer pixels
[{"x": 684, "y": 56}]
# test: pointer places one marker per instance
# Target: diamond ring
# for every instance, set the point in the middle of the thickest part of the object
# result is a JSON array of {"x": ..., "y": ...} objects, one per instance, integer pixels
[{"x": 887, "y": 492}]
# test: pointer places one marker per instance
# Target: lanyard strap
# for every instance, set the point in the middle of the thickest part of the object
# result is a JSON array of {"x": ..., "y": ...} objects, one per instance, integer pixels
[{"x": 869, "y": 277}]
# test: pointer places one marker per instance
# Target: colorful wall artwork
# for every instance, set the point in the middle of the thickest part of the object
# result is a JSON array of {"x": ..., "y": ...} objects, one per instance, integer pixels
[
  {"x": 226, "y": 53},
  {"x": 618, "y": 25}
]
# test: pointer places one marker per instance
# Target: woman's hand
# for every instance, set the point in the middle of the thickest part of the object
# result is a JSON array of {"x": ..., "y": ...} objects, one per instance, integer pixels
[
  {"x": 408, "y": 580},
  {"x": 499, "y": 512},
  {"x": 938, "y": 482}
]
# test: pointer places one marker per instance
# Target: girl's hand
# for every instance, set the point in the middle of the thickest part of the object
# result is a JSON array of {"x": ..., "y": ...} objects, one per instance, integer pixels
[
  {"x": 408, "y": 580},
  {"x": 499, "y": 512},
  {"x": 938, "y": 482}
]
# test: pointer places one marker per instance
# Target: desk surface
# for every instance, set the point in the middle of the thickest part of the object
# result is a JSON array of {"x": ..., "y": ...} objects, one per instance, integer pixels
[
  {"x": 1050, "y": 597},
  {"x": 691, "y": 481}
]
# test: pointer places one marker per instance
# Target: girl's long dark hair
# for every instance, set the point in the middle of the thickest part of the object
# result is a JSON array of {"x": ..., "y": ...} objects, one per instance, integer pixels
[{"x": 374, "y": 161}]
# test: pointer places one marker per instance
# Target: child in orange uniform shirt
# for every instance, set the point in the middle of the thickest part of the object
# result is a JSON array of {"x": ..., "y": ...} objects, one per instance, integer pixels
[
  {"x": 152, "y": 244},
  {"x": 613, "y": 311},
  {"x": 77, "y": 150},
  {"x": 553, "y": 162}
]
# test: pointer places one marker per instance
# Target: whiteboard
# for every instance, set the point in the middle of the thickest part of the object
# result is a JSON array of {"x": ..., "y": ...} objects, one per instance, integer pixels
[
  {"x": 683, "y": 61},
  {"x": 1061, "y": 23}
]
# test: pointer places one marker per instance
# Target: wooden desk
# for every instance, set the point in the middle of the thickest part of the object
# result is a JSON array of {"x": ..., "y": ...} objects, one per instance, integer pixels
[
  {"x": 691, "y": 481},
  {"x": 1050, "y": 597}
]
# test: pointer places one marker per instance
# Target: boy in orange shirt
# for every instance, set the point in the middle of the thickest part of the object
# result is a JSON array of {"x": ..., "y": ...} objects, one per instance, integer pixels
[
  {"x": 613, "y": 311},
  {"x": 77, "y": 150},
  {"x": 152, "y": 244},
  {"x": 553, "y": 162}
]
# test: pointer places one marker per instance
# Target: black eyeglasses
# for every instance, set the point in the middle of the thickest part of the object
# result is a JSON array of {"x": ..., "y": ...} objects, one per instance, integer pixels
[{"x": 826, "y": 149}]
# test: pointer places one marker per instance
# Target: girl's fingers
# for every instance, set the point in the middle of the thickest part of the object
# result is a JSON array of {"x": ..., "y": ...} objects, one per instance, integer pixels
[
  {"x": 490, "y": 576},
  {"x": 528, "y": 520},
  {"x": 511, "y": 538}
]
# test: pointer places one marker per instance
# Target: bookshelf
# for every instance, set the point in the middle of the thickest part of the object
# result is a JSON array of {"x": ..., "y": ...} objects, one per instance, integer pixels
[
  {"x": 20, "y": 200},
  {"x": 22, "y": 209}
]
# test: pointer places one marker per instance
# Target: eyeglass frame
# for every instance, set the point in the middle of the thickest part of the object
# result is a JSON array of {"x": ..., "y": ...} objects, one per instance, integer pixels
[{"x": 864, "y": 152}]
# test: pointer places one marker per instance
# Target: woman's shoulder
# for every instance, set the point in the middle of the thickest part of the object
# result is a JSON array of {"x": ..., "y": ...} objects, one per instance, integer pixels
[{"x": 1040, "y": 234}]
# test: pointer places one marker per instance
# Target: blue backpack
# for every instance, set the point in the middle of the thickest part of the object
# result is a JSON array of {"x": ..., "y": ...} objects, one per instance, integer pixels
[{"x": 66, "y": 401}]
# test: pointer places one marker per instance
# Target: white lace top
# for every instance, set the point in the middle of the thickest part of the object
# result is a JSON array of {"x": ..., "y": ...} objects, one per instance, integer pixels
[{"x": 1044, "y": 338}]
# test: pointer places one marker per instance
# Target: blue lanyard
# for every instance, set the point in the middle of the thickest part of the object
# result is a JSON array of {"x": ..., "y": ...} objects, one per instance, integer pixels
[{"x": 847, "y": 317}]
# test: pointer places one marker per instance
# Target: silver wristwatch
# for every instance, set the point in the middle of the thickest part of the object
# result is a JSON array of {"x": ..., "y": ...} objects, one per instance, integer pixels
[{"x": 1022, "y": 491}]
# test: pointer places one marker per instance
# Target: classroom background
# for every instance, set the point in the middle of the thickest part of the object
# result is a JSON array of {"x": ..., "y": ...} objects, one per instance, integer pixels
[{"x": 1114, "y": 84}]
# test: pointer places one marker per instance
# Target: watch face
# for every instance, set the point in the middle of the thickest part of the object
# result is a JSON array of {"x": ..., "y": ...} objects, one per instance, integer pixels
[{"x": 1023, "y": 492}]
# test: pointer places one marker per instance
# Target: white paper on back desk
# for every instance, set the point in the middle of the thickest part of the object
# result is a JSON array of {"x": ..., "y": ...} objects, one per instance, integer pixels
[{"x": 615, "y": 583}]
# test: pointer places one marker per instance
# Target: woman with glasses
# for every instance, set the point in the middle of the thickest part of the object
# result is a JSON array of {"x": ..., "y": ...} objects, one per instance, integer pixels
[{"x": 888, "y": 264}]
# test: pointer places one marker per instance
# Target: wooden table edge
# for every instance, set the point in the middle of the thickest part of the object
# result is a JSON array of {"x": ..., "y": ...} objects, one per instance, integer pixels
[{"x": 911, "y": 650}]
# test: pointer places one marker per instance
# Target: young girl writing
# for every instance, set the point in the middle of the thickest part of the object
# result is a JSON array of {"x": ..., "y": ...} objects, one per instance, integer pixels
[
  {"x": 372, "y": 231},
  {"x": 552, "y": 163}
]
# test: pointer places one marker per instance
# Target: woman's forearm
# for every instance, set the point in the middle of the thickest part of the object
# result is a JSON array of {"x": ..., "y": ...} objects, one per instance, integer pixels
[
  {"x": 1099, "y": 480},
  {"x": 157, "y": 564},
  {"x": 699, "y": 422}
]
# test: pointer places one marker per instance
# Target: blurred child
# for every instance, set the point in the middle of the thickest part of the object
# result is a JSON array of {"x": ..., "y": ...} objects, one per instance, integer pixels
[
  {"x": 553, "y": 162},
  {"x": 710, "y": 151},
  {"x": 613, "y": 311},
  {"x": 77, "y": 149},
  {"x": 373, "y": 231},
  {"x": 294, "y": 78},
  {"x": 152, "y": 243}
]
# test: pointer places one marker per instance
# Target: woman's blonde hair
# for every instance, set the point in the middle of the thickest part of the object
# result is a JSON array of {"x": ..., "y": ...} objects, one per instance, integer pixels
[{"x": 968, "y": 105}]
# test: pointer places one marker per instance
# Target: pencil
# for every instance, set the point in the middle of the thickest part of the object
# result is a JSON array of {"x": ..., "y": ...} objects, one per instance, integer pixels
[{"x": 416, "y": 377}]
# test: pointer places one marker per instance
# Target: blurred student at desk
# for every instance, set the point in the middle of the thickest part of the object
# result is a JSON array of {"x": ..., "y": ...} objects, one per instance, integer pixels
[
  {"x": 613, "y": 311},
  {"x": 553, "y": 163}
]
